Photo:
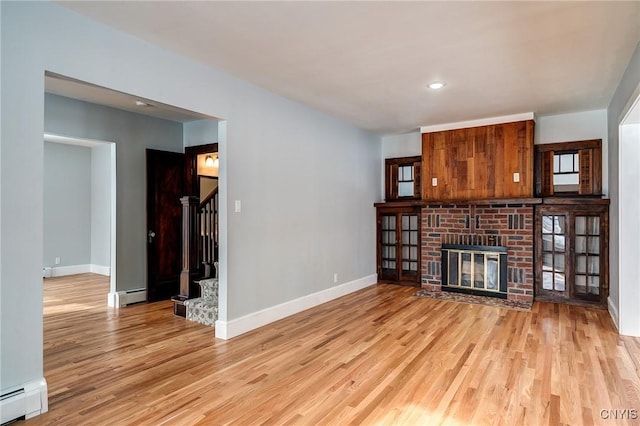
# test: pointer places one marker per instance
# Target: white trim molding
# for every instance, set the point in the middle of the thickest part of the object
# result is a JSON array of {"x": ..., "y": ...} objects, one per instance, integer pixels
[
  {"x": 480, "y": 122},
  {"x": 613, "y": 313},
  {"x": 28, "y": 400},
  {"x": 63, "y": 271},
  {"x": 228, "y": 329},
  {"x": 100, "y": 270},
  {"x": 67, "y": 140}
]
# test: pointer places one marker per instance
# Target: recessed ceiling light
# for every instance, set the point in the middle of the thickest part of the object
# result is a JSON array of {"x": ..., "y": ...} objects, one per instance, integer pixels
[
  {"x": 437, "y": 85},
  {"x": 141, "y": 104}
]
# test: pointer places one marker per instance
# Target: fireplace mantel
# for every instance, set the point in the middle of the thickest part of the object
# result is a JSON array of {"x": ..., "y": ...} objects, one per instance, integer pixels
[{"x": 447, "y": 203}]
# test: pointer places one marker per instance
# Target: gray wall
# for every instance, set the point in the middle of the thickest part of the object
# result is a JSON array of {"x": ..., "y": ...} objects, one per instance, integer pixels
[
  {"x": 623, "y": 94},
  {"x": 200, "y": 132},
  {"x": 307, "y": 181},
  {"x": 132, "y": 133},
  {"x": 67, "y": 204},
  {"x": 101, "y": 205}
]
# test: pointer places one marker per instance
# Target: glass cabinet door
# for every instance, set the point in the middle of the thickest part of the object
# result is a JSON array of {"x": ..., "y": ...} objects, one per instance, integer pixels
[
  {"x": 571, "y": 263},
  {"x": 399, "y": 247},
  {"x": 388, "y": 243},
  {"x": 554, "y": 254},
  {"x": 587, "y": 255},
  {"x": 410, "y": 249}
]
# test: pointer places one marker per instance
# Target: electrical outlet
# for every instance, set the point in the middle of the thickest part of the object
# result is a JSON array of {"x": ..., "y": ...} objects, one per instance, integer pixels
[
  {"x": 57, "y": 260},
  {"x": 516, "y": 177},
  {"x": 335, "y": 277},
  {"x": 238, "y": 206},
  {"x": 434, "y": 181}
]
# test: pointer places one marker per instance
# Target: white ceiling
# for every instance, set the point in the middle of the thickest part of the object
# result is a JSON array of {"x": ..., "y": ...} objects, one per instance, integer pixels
[{"x": 369, "y": 62}]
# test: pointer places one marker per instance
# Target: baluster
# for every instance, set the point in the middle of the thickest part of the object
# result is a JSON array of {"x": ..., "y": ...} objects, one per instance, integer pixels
[
  {"x": 212, "y": 230},
  {"x": 206, "y": 233}
]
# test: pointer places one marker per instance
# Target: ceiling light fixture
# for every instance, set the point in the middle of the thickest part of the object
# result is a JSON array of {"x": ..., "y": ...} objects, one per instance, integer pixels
[
  {"x": 437, "y": 85},
  {"x": 141, "y": 104}
]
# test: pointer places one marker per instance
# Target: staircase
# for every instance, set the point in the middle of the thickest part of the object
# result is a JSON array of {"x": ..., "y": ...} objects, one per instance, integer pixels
[
  {"x": 208, "y": 222},
  {"x": 198, "y": 279},
  {"x": 204, "y": 309}
]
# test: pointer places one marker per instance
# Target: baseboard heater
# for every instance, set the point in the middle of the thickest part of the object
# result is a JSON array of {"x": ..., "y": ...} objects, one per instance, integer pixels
[
  {"x": 24, "y": 402},
  {"x": 120, "y": 299}
]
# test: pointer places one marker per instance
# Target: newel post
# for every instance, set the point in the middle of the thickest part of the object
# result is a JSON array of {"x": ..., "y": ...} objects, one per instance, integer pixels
[{"x": 190, "y": 261}]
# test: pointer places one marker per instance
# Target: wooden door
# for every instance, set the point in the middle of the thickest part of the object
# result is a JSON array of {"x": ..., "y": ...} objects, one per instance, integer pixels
[{"x": 165, "y": 186}]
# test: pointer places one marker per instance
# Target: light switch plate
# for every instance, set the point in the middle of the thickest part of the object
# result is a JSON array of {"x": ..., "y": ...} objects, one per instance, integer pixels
[
  {"x": 516, "y": 177},
  {"x": 238, "y": 206},
  {"x": 434, "y": 181}
]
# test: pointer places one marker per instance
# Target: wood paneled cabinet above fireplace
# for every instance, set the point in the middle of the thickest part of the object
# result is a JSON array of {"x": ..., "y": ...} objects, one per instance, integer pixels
[
  {"x": 572, "y": 239},
  {"x": 478, "y": 163}
]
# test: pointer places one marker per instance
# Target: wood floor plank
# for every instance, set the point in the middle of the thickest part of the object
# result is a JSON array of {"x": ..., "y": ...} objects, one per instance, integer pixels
[{"x": 377, "y": 356}]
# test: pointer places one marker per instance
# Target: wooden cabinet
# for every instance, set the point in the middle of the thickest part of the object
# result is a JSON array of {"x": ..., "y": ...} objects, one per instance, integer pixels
[
  {"x": 569, "y": 168},
  {"x": 398, "y": 244},
  {"x": 402, "y": 178},
  {"x": 481, "y": 163},
  {"x": 572, "y": 239}
]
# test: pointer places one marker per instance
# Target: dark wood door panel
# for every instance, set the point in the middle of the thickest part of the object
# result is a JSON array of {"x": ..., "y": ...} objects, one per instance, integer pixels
[{"x": 165, "y": 186}]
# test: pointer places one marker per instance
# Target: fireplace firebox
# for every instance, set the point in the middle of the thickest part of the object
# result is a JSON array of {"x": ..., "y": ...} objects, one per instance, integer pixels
[{"x": 480, "y": 270}]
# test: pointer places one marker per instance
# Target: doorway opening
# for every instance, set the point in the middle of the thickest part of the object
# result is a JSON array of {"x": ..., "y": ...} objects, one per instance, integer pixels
[{"x": 79, "y": 207}]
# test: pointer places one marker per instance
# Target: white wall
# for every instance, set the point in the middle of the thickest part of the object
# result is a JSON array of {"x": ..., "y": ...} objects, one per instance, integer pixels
[
  {"x": 577, "y": 126},
  {"x": 404, "y": 145},
  {"x": 622, "y": 305},
  {"x": 67, "y": 205},
  {"x": 629, "y": 222},
  {"x": 307, "y": 213},
  {"x": 200, "y": 132}
]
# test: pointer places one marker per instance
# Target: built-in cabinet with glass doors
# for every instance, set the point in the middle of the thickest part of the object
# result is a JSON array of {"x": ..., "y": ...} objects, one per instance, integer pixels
[
  {"x": 572, "y": 250},
  {"x": 399, "y": 245}
]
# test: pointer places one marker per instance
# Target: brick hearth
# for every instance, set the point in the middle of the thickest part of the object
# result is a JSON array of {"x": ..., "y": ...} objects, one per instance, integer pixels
[{"x": 506, "y": 225}]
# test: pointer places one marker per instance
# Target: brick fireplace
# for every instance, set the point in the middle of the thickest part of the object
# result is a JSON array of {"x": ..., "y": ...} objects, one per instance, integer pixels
[{"x": 497, "y": 225}]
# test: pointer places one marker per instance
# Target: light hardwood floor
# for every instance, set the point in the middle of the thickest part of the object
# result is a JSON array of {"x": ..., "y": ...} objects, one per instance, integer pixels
[{"x": 378, "y": 356}]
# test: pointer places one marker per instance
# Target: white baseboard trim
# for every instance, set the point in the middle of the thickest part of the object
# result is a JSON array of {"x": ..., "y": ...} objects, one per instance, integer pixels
[
  {"x": 63, "y": 271},
  {"x": 28, "y": 400},
  {"x": 117, "y": 299},
  {"x": 613, "y": 313},
  {"x": 100, "y": 270},
  {"x": 120, "y": 299},
  {"x": 228, "y": 329}
]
